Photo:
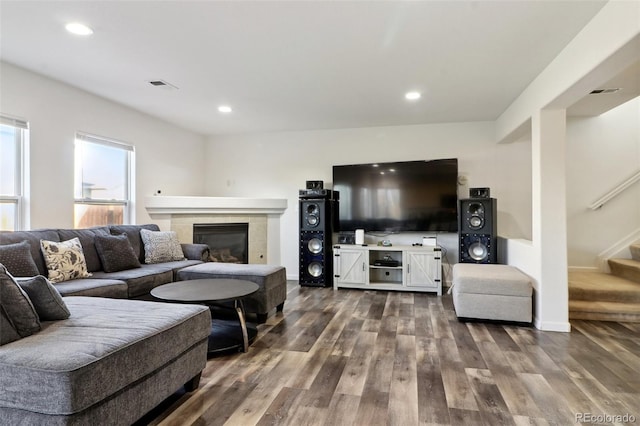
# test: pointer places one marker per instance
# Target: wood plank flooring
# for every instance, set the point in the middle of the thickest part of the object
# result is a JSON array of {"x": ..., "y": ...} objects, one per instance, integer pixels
[{"x": 353, "y": 357}]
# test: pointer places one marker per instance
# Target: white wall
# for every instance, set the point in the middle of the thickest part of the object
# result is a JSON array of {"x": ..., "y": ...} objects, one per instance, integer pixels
[
  {"x": 602, "y": 152},
  {"x": 279, "y": 164},
  {"x": 168, "y": 158}
]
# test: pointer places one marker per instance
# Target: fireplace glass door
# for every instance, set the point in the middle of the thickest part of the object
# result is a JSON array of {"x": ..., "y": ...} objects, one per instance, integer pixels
[{"x": 228, "y": 242}]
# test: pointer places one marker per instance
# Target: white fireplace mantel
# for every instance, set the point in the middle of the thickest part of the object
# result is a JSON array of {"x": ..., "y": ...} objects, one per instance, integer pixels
[{"x": 214, "y": 205}]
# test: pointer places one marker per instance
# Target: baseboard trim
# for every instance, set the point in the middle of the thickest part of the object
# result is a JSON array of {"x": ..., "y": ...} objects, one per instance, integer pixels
[{"x": 560, "y": 327}]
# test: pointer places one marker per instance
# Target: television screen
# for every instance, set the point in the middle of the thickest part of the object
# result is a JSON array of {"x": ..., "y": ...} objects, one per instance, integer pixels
[{"x": 410, "y": 196}]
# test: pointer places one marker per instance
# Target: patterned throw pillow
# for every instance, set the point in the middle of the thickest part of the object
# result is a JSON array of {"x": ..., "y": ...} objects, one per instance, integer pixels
[
  {"x": 18, "y": 260},
  {"x": 161, "y": 246},
  {"x": 116, "y": 253},
  {"x": 65, "y": 261},
  {"x": 18, "y": 316}
]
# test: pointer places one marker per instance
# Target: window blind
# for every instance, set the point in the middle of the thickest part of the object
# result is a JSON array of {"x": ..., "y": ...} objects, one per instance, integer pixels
[
  {"x": 14, "y": 122},
  {"x": 85, "y": 137}
]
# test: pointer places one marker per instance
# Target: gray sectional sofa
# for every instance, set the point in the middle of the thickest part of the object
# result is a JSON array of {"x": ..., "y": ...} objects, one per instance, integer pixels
[
  {"x": 109, "y": 363},
  {"x": 108, "y": 360},
  {"x": 134, "y": 283}
]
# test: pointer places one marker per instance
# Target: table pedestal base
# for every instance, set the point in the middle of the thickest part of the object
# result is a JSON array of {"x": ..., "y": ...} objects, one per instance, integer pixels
[{"x": 226, "y": 336}]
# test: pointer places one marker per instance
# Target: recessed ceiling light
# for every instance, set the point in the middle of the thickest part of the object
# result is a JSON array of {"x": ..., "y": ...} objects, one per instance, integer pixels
[
  {"x": 225, "y": 109},
  {"x": 78, "y": 29},
  {"x": 412, "y": 96}
]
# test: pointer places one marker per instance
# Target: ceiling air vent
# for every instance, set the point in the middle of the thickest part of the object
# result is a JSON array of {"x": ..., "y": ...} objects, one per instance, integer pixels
[
  {"x": 162, "y": 84},
  {"x": 604, "y": 91}
]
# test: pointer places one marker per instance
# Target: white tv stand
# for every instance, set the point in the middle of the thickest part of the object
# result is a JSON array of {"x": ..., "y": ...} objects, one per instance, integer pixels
[{"x": 419, "y": 268}]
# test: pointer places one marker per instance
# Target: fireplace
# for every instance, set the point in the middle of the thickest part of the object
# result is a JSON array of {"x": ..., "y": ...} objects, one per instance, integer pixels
[{"x": 228, "y": 242}]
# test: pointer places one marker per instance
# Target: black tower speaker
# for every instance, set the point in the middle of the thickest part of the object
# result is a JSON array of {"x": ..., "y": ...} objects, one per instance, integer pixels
[
  {"x": 317, "y": 216},
  {"x": 477, "y": 225}
]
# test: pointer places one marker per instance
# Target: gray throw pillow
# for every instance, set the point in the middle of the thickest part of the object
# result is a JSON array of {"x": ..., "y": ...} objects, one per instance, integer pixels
[
  {"x": 18, "y": 260},
  {"x": 45, "y": 298},
  {"x": 8, "y": 332},
  {"x": 116, "y": 253},
  {"x": 17, "y": 307}
]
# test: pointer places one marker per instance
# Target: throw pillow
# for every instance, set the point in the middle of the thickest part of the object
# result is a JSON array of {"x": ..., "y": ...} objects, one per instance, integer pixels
[
  {"x": 45, "y": 298},
  {"x": 18, "y": 260},
  {"x": 87, "y": 241},
  {"x": 8, "y": 332},
  {"x": 116, "y": 253},
  {"x": 17, "y": 309},
  {"x": 161, "y": 246},
  {"x": 65, "y": 261}
]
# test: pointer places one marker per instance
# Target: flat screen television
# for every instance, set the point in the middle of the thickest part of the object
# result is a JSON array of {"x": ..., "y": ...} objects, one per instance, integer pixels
[{"x": 409, "y": 196}]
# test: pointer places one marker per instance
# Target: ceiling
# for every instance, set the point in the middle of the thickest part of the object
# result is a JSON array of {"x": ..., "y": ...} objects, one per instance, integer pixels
[{"x": 296, "y": 65}]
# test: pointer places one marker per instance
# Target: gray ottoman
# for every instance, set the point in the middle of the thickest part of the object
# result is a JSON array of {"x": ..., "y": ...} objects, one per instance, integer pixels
[
  {"x": 493, "y": 292},
  {"x": 272, "y": 281}
]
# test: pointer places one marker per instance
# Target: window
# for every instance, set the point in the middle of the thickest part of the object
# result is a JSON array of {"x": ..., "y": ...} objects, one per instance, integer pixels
[
  {"x": 14, "y": 136},
  {"x": 103, "y": 182}
]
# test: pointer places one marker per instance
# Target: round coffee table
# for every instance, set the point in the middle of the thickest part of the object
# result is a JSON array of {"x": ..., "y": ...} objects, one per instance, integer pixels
[{"x": 226, "y": 335}]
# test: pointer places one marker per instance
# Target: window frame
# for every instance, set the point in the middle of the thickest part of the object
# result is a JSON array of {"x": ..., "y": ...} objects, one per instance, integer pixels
[
  {"x": 127, "y": 203},
  {"x": 20, "y": 197}
]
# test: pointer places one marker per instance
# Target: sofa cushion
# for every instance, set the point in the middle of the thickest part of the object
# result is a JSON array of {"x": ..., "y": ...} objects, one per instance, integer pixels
[
  {"x": 18, "y": 309},
  {"x": 33, "y": 238},
  {"x": 161, "y": 246},
  {"x": 141, "y": 280},
  {"x": 87, "y": 240},
  {"x": 103, "y": 287},
  {"x": 45, "y": 298},
  {"x": 18, "y": 260},
  {"x": 116, "y": 253},
  {"x": 105, "y": 346},
  {"x": 133, "y": 233},
  {"x": 177, "y": 265}
]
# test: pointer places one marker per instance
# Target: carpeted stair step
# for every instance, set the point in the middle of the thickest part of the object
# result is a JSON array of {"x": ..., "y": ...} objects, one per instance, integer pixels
[
  {"x": 604, "y": 311},
  {"x": 625, "y": 268},
  {"x": 635, "y": 251},
  {"x": 603, "y": 297},
  {"x": 601, "y": 287}
]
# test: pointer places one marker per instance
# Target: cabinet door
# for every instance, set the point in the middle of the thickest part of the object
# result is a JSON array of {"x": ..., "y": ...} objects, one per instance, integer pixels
[
  {"x": 351, "y": 266},
  {"x": 423, "y": 269}
]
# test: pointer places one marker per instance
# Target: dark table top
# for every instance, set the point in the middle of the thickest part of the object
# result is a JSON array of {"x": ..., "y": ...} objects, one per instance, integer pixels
[{"x": 205, "y": 290}]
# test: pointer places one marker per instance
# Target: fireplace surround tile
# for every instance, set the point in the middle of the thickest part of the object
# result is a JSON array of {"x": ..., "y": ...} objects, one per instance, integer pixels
[{"x": 183, "y": 226}]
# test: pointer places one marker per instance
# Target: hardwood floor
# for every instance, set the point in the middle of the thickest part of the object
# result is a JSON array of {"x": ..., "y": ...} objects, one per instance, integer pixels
[{"x": 352, "y": 357}]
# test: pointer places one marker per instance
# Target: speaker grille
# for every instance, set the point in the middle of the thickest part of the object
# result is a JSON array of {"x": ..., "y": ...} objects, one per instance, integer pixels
[
  {"x": 477, "y": 248},
  {"x": 478, "y": 230},
  {"x": 316, "y": 230},
  {"x": 316, "y": 262}
]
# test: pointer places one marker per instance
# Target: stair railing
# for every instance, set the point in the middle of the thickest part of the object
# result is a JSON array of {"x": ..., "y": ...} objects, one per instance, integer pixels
[{"x": 615, "y": 191}]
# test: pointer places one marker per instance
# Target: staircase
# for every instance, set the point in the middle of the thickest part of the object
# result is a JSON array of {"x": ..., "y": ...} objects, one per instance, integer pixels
[{"x": 608, "y": 297}]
